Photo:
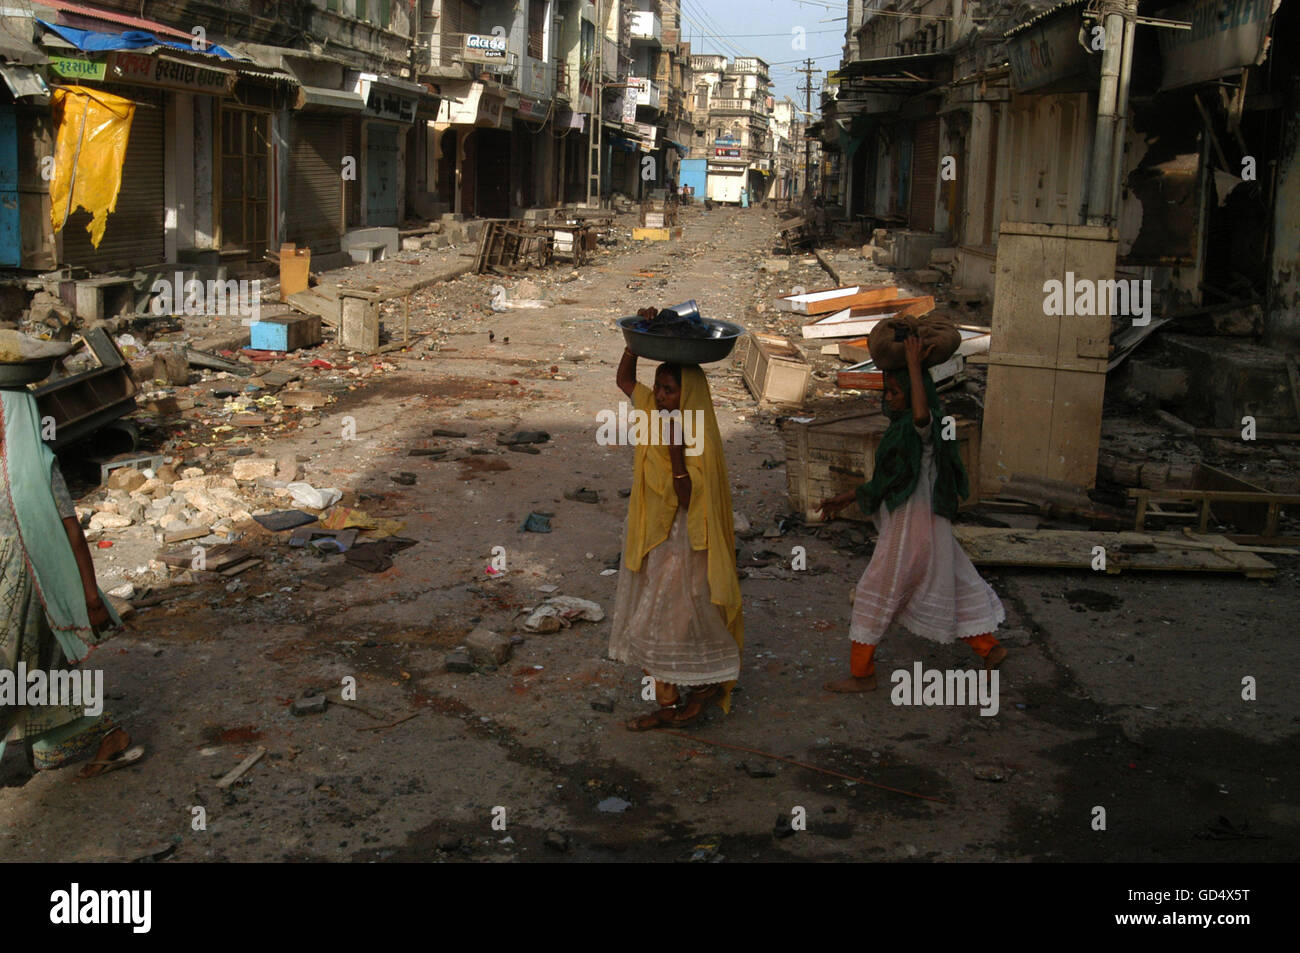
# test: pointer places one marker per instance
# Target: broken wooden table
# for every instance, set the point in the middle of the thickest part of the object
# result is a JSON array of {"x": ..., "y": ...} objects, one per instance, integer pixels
[{"x": 1149, "y": 504}]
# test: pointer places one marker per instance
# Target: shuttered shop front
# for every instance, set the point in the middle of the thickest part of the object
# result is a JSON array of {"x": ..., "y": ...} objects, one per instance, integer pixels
[
  {"x": 133, "y": 235},
  {"x": 925, "y": 174},
  {"x": 315, "y": 215}
]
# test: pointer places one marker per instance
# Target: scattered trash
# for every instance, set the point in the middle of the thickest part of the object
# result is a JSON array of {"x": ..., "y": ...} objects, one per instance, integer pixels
[
  {"x": 312, "y": 705},
  {"x": 582, "y": 495},
  {"x": 286, "y": 519},
  {"x": 304, "y": 494},
  {"x": 613, "y": 805},
  {"x": 324, "y": 540},
  {"x": 405, "y": 478},
  {"x": 536, "y": 523},
  {"x": 561, "y": 612},
  {"x": 522, "y": 437},
  {"x": 242, "y": 768}
]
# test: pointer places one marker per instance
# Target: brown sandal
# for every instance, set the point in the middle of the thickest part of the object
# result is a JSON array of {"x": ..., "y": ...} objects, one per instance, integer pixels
[{"x": 656, "y": 719}]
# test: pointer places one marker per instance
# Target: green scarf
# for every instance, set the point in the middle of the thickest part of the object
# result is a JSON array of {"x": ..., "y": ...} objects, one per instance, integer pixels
[
  {"x": 28, "y": 463},
  {"x": 898, "y": 458}
]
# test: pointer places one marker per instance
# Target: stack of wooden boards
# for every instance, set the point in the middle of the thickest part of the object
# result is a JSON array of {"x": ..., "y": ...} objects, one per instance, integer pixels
[
  {"x": 775, "y": 369},
  {"x": 846, "y": 315}
]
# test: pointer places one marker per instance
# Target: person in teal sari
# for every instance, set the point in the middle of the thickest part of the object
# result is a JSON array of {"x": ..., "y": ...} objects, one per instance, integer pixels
[{"x": 51, "y": 610}]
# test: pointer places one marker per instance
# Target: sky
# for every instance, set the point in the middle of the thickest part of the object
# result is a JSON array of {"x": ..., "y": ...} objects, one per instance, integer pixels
[{"x": 767, "y": 29}]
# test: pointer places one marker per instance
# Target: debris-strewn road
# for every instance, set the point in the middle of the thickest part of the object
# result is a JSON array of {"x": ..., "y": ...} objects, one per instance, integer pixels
[{"x": 1121, "y": 692}]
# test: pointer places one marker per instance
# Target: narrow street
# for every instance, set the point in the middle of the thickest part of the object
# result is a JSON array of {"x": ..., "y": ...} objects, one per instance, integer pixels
[{"x": 1120, "y": 691}]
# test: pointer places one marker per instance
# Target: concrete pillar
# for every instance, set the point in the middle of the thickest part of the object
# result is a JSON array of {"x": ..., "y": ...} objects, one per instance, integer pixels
[{"x": 204, "y": 129}]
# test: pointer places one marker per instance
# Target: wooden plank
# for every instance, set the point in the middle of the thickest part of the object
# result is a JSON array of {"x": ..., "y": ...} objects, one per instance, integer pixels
[
  {"x": 856, "y": 351},
  {"x": 827, "y": 300},
  {"x": 242, "y": 768},
  {"x": 318, "y": 300},
  {"x": 1071, "y": 549},
  {"x": 1225, "y": 496}
]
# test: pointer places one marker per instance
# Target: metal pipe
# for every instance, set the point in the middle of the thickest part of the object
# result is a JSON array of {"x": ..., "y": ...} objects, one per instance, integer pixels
[
  {"x": 1104, "y": 138},
  {"x": 1121, "y": 113}
]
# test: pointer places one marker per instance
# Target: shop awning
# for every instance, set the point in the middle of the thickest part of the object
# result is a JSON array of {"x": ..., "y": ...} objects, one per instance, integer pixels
[
  {"x": 1230, "y": 43},
  {"x": 912, "y": 73},
  {"x": 1046, "y": 56},
  {"x": 24, "y": 82},
  {"x": 683, "y": 150},
  {"x": 318, "y": 97},
  {"x": 393, "y": 84},
  {"x": 93, "y": 41},
  {"x": 109, "y": 16}
]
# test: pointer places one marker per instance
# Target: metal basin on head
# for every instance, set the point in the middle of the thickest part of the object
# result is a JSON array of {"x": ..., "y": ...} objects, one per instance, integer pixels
[{"x": 722, "y": 338}]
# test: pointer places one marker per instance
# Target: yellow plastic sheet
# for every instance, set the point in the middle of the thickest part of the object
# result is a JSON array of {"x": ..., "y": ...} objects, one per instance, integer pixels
[{"x": 93, "y": 129}]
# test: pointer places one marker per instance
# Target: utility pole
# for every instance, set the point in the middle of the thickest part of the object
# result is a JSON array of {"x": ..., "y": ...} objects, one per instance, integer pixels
[{"x": 807, "y": 89}]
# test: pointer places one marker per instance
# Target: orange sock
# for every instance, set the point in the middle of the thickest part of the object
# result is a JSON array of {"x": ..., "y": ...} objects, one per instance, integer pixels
[
  {"x": 982, "y": 644},
  {"x": 860, "y": 663}
]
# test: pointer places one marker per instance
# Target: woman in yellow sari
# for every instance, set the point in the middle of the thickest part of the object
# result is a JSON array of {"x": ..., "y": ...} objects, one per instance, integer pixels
[{"x": 677, "y": 612}]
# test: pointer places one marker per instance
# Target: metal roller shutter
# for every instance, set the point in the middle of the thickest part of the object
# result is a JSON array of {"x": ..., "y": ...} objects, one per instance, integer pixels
[
  {"x": 925, "y": 174},
  {"x": 315, "y": 214},
  {"x": 134, "y": 233}
]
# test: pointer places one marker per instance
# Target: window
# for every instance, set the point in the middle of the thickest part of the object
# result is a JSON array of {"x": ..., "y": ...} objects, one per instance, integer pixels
[
  {"x": 360, "y": 7},
  {"x": 537, "y": 28}
]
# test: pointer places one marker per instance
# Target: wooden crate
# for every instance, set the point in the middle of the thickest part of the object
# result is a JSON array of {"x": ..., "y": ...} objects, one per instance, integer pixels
[
  {"x": 285, "y": 332},
  {"x": 827, "y": 457},
  {"x": 774, "y": 369}
]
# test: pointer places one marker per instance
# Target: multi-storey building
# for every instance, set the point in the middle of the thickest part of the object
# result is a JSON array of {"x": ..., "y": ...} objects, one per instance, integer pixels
[
  {"x": 306, "y": 121},
  {"x": 734, "y": 106},
  {"x": 954, "y": 119}
]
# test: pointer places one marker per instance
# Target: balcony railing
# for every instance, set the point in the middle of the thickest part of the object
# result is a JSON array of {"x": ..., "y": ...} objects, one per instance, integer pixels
[
  {"x": 749, "y": 64},
  {"x": 756, "y": 106},
  {"x": 646, "y": 28}
]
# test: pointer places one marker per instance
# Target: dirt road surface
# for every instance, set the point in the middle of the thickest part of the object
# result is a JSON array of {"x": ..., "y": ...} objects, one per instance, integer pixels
[{"x": 1121, "y": 692}]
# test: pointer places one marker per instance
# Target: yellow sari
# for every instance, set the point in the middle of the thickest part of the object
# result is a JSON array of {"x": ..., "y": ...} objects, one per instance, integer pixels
[{"x": 653, "y": 503}]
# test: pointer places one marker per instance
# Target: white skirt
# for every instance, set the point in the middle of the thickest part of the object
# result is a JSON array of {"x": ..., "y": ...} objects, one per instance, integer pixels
[
  {"x": 664, "y": 622},
  {"x": 920, "y": 577}
]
